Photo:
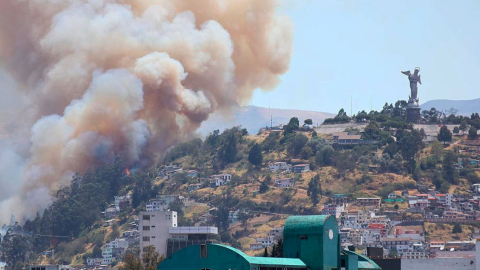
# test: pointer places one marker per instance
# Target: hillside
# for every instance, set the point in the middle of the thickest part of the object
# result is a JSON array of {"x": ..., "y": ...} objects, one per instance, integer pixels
[
  {"x": 253, "y": 118},
  {"x": 465, "y": 107},
  {"x": 261, "y": 198}
]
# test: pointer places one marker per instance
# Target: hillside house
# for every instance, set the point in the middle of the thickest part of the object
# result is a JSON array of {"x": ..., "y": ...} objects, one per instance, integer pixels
[
  {"x": 221, "y": 179},
  {"x": 279, "y": 166},
  {"x": 160, "y": 203},
  {"x": 122, "y": 202},
  {"x": 301, "y": 168},
  {"x": 110, "y": 212},
  {"x": 284, "y": 183},
  {"x": 339, "y": 199},
  {"x": 333, "y": 209},
  {"x": 191, "y": 188},
  {"x": 369, "y": 201},
  {"x": 345, "y": 138}
]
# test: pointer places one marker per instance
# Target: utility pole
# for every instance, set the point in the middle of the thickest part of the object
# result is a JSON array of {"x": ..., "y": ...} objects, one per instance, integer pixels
[{"x": 351, "y": 105}]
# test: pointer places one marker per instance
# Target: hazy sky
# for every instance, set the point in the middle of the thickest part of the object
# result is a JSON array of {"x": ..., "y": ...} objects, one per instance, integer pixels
[{"x": 358, "y": 48}]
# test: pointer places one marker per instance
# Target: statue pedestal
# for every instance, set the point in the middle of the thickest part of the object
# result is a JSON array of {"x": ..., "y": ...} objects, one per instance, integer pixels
[{"x": 413, "y": 113}]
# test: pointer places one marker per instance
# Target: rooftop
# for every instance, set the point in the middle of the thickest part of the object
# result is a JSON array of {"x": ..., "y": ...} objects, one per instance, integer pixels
[{"x": 193, "y": 230}]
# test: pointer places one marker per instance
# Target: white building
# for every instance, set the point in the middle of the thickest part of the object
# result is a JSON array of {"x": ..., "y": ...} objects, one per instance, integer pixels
[
  {"x": 154, "y": 229},
  {"x": 122, "y": 202},
  {"x": 279, "y": 166},
  {"x": 221, "y": 179},
  {"x": 161, "y": 203},
  {"x": 284, "y": 183},
  {"x": 107, "y": 255},
  {"x": 92, "y": 262},
  {"x": 159, "y": 229}
]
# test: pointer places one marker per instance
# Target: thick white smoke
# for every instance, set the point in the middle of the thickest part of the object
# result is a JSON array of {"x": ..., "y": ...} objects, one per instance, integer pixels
[{"x": 128, "y": 77}]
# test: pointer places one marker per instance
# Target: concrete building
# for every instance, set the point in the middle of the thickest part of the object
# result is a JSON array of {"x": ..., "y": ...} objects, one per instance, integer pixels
[
  {"x": 182, "y": 237},
  {"x": 221, "y": 179},
  {"x": 279, "y": 166},
  {"x": 300, "y": 168},
  {"x": 154, "y": 229},
  {"x": 284, "y": 182},
  {"x": 160, "y": 203},
  {"x": 375, "y": 202},
  {"x": 122, "y": 202},
  {"x": 159, "y": 229},
  {"x": 333, "y": 209}
]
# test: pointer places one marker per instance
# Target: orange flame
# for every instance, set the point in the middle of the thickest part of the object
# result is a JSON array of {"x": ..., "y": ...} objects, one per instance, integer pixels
[{"x": 127, "y": 171}]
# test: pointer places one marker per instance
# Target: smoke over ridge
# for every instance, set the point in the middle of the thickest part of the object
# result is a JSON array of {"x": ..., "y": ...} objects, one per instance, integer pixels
[{"x": 128, "y": 77}]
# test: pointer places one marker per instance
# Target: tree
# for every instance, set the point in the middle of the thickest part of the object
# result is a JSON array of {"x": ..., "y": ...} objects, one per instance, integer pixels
[
  {"x": 265, "y": 253},
  {"x": 263, "y": 187},
  {"x": 292, "y": 126},
  {"x": 409, "y": 144},
  {"x": 395, "y": 207},
  {"x": 456, "y": 130},
  {"x": 472, "y": 132},
  {"x": 228, "y": 151},
  {"x": 463, "y": 126},
  {"x": 445, "y": 135},
  {"x": 14, "y": 249},
  {"x": 308, "y": 122},
  {"x": 131, "y": 262},
  {"x": 457, "y": 228},
  {"x": 306, "y": 152},
  {"x": 449, "y": 171},
  {"x": 255, "y": 155},
  {"x": 436, "y": 150},
  {"x": 325, "y": 156},
  {"x": 151, "y": 258},
  {"x": 314, "y": 189},
  {"x": 295, "y": 146},
  {"x": 97, "y": 252}
]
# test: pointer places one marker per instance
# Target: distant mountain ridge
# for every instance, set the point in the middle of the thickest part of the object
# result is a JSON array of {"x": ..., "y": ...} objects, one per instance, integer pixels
[
  {"x": 253, "y": 118},
  {"x": 465, "y": 107}
]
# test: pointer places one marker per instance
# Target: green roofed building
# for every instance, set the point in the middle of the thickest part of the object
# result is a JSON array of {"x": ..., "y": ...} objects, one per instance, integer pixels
[{"x": 309, "y": 242}]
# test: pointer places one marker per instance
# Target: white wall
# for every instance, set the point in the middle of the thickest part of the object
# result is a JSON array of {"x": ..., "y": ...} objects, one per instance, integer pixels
[
  {"x": 162, "y": 222},
  {"x": 439, "y": 264}
]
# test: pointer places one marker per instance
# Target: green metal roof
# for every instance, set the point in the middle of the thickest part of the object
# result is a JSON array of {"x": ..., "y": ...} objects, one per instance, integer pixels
[
  {"x": 363, "y": 262},
  {"x": 311, "y": 225},
  {"x": 265, "y": 260}
]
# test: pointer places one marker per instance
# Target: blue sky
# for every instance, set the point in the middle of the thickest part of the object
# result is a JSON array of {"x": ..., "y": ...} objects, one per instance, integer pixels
[{"x": 345, "y": 49}]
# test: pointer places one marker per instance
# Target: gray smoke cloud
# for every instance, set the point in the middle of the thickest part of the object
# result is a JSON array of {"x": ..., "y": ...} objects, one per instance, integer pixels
[{"x": 128, "y": 77}]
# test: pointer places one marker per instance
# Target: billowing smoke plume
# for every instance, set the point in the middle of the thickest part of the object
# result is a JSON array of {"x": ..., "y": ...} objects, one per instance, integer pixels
[{"x": 127, "y": 77}]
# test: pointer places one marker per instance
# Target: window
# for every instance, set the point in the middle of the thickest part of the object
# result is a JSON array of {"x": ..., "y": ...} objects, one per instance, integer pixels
[
  {"x": 146, "y": 217},
  {"x": 203, "y": 251},
  {"x": 146, "y": 228},
  {"x": 146, "y": 238},
  {"x": 304, "y": 237},
  {"x": 153, "y": 226}
]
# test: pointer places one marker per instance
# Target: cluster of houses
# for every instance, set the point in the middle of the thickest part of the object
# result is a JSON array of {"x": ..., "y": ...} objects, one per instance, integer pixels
[
  {"x": 364, "y": 227},
  {"x": 361, "y": 224}
]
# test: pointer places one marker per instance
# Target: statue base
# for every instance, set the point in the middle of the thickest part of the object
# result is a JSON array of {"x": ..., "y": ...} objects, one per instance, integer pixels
[{"x": 413, "y": 113}]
